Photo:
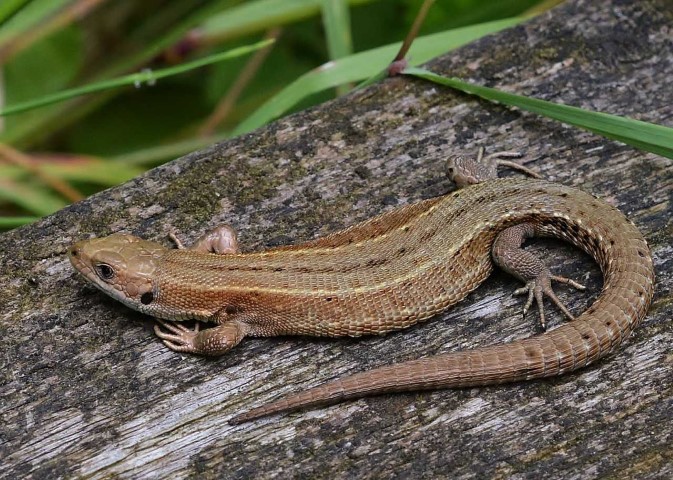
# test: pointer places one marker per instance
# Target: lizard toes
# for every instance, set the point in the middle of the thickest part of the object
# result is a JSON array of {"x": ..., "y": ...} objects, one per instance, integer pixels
[
  {"x": 170, "y": 337},
  {"x": 183, "y": 347},
  {"x": 568, "y": 281},
  {"x": 174, "y": 327}
]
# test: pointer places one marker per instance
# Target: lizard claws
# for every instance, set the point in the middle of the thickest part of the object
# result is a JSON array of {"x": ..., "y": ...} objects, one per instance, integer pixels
[
  {"x": 540, "y": 287},
  {"x": 181, "y": 338},
  {"x": 209, "y": 341}
]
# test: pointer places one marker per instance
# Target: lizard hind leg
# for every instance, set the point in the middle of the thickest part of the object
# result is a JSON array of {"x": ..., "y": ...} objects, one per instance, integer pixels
[
  {"x": 212, "y": 341},
  {"x": 510, "y": 257},
  {"x": 221, "y": 240},
  {"x": 507, "y": 252},
  {"x": 464, "y": 171}
]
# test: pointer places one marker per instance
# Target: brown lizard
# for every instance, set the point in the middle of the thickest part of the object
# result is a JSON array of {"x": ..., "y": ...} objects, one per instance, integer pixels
[{"x": 387, "y": 273}]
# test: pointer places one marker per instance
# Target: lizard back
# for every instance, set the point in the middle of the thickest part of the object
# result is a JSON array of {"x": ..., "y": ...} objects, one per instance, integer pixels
[
  {"x": 486, "y": 209},
  {"x": 390, "y": 271}
]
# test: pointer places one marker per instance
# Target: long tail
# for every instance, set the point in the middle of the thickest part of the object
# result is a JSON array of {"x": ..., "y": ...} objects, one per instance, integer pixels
[{"x": 625, "y": 260}]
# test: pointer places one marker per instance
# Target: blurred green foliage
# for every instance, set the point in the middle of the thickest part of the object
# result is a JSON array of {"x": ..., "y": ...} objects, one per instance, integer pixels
[{"x": 58, "y": 153}]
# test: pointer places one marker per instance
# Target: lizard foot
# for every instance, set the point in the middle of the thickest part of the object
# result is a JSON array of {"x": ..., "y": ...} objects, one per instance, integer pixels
[
  {"x": 181, "y": 338},
  {"x": 541, "y": 286},
  {"x": 211, "y": 341}
]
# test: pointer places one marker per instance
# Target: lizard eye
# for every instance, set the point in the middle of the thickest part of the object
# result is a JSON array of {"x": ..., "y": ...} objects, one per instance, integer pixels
[{"x": 105, "y": 271}]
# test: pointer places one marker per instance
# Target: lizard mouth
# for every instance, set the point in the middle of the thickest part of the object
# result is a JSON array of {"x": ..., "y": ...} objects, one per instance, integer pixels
[
  {"x": 82, "y": 264},
  {"x": 75, "y": 257}
]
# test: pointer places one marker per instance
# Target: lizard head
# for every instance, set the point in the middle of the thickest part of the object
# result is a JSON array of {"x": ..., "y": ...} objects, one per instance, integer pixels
[{"x": 120, "y": 265}]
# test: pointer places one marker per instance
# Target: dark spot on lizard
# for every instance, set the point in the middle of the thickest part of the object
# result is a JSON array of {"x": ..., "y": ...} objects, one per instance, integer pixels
[
  {"x": 375, "y": 262},
  {"x": 232, "y": 309},
  {"x": 242, "y": 268},
  {"x": 147, "y": 298},
  {"x": 326, "y": 269},
  {"x": 428, "y": 235}
]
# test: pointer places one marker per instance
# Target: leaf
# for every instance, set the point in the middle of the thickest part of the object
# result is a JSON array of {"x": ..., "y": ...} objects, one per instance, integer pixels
[
  {"x": 147, "y": 77},
  {"x": 154, "y": 155},
  {"x": 251, "y": 17},
  {"x": 23, "y": 15},
  {"x": 363, "y": 65},
  {"x": 60, "y": 54},
  {"x": 646, "y": 136},
  {"x": 32, "y": 198},
  {"x": 7, "y": 223},
  {"x": 9, "y": 8},
  {"x": 336, "y": 19},
  {"x": 76, "y": 168}
]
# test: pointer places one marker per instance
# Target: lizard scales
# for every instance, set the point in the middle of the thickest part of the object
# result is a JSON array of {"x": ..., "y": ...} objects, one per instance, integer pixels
[
  {"x": 469, "y": 219},
  {"x": 405, "y": 266}
]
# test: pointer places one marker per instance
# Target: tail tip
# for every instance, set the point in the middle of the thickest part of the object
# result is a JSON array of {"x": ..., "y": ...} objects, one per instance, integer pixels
[{"x": 238, "y": 419}]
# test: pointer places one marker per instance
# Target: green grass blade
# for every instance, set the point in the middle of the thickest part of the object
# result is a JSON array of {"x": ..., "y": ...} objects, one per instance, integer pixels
[
  {"x": 646, "y": 136},
  {"x": 144, "y": 77},
  {"x": 22, "y": 16},
  {"x": 9, "y": 7},
  {"x": 255, "y": 16},
  {"x": 85, "y": 169},
  {"x": 336, "y": 19},
  {"x": 363, "y": 65},
  {"x": 36, "y": 128},
  {"x": 155, "y": 155},
  {"x": 34, "y": 199},
  {"x": 7, "y": 223}
]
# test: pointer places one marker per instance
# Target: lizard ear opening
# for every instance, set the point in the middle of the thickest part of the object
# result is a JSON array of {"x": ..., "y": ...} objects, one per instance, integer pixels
[{"x": 147, "y": 298}]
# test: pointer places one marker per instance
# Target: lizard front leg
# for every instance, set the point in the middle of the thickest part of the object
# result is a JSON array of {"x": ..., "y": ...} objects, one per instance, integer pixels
[
  {"x": 212, "y": 341},
  {"x": 216, "y": 340}
]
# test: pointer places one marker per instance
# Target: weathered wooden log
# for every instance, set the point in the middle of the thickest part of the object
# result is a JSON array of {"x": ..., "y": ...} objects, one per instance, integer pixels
[{"x": 87, "y": 390}]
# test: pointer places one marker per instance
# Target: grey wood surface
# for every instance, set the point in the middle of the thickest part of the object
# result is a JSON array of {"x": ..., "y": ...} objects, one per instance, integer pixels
[{"x": 86, "y": 390}]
